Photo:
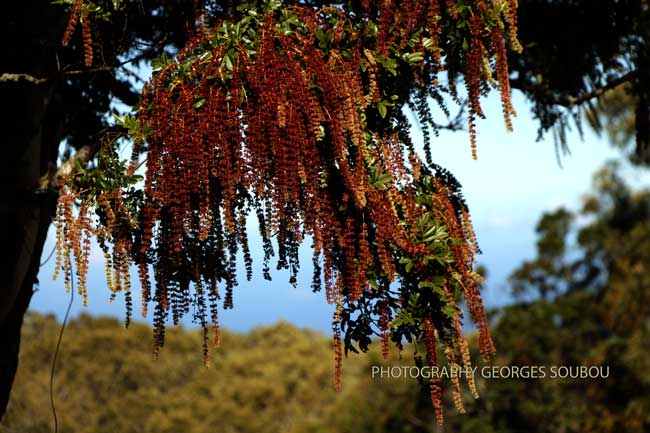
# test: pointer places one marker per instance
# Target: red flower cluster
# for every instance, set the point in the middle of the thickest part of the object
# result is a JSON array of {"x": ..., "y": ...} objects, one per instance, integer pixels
[
  {"x": 430, "y": 341},
  {"x": 79, "y": 12},
  {"x": 75, "y": 12},
  {"x": 280, "y": 127}
]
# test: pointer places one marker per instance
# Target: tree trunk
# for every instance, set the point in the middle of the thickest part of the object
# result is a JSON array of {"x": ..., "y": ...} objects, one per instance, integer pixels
[
  {"x": 28, "y": 230},
  {"x": 25, "y": 214}
]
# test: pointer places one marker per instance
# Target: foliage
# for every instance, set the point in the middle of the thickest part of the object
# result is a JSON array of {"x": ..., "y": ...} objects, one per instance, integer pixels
[
  {"x": 65, "y": 105},
  {"x": 276, "y": 378},
  {"x": 611, "y": 250},
  {"x": 614, "y": 114},
  {"x": 548, "y": 274},
  {"x": 593, "y": 47},
  {"x": 597, "y": 316},
  {"x": 295, "y": 113}
]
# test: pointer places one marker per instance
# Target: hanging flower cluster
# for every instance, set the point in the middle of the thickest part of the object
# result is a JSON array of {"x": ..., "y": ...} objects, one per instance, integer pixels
[
  {"x": 80, "y": 13},
  {"x": 295, "y": 114}
]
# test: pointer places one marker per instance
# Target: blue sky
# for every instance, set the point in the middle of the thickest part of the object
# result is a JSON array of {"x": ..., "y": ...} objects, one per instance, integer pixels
[{"x": 513, "y": 181}]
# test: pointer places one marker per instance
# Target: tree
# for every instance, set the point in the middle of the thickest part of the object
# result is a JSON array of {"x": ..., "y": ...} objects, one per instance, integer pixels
[
  {"x": 593, "y": 48},
  {"x": 58, "y": 99},
  {"x": 295, "y": 113},
  {"x": 277, "y": 377},
  {"x": 598, "y": 317},
  {"x": 51, "y": 99}
]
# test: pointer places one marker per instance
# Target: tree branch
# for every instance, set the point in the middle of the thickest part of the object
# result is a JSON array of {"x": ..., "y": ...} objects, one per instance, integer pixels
[
  {"x": 51, "y": 180},
  {"x": 142, "y": 55},
  {"x": 570, "y": 101},
  {"x": 19, "y": 77},
  {"x": 7, "y": 76}
]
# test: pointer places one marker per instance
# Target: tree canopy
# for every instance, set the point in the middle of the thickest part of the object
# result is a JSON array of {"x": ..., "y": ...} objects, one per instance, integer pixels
[
  {"x": 294, "y": 112},
  {"x": 575, "y": 55},
  {"x": 278, "y": 376}
]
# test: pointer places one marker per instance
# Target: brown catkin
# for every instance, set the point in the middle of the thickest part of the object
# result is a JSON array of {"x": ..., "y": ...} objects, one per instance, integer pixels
[
  {"x": 87, "y": 37},
  {"x": 432, "y": 359},
  {"x": 72, "y": 22},
  {"x": 284, "y": 133}
]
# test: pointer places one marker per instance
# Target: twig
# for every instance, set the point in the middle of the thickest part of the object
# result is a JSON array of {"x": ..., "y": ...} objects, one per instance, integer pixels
[
  {"x": 140, "y": 56},
  {"x": 83, "y": 156},
  {"x": 25, "y": 77},
  {"x": 569, "y": 101}
]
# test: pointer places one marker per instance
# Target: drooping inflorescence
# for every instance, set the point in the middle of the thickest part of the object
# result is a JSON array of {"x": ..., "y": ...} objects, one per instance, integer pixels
[
  {"x": 293, "y": 115},
  {"x": 80, "y": 13}
]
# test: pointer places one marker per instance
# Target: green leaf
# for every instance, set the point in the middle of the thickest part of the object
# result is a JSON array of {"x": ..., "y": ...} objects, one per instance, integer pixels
[
  {"x": 408, "y": 262},
  {"x": 372, "y": 28},
  {"x": 389, "y": 64},
  {"x": 160, "y": 62},
  {"x": 206, "y": 55},
  {"x": 413, "y": 57},
  {"x": 402, "y": 318},
  {"x": 382, "y": 181},
  {"x": 381, "y": 107},
  {"x": 449, "y": 311},
  {"x": 198, "y": 103},
  {"x": 227, "y": 62}
]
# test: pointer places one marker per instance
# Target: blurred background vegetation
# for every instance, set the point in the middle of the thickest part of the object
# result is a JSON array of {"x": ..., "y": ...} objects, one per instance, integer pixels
[{"x": 584, "y": 300}]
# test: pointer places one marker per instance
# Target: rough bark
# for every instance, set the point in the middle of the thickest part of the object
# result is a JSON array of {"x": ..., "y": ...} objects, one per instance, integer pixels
[
  {"x": 28, "y": 204},
  {"x": 29, "y": 230},
  {"x": 46, "y": 96},
  {"x": 25, "y": 214}
]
